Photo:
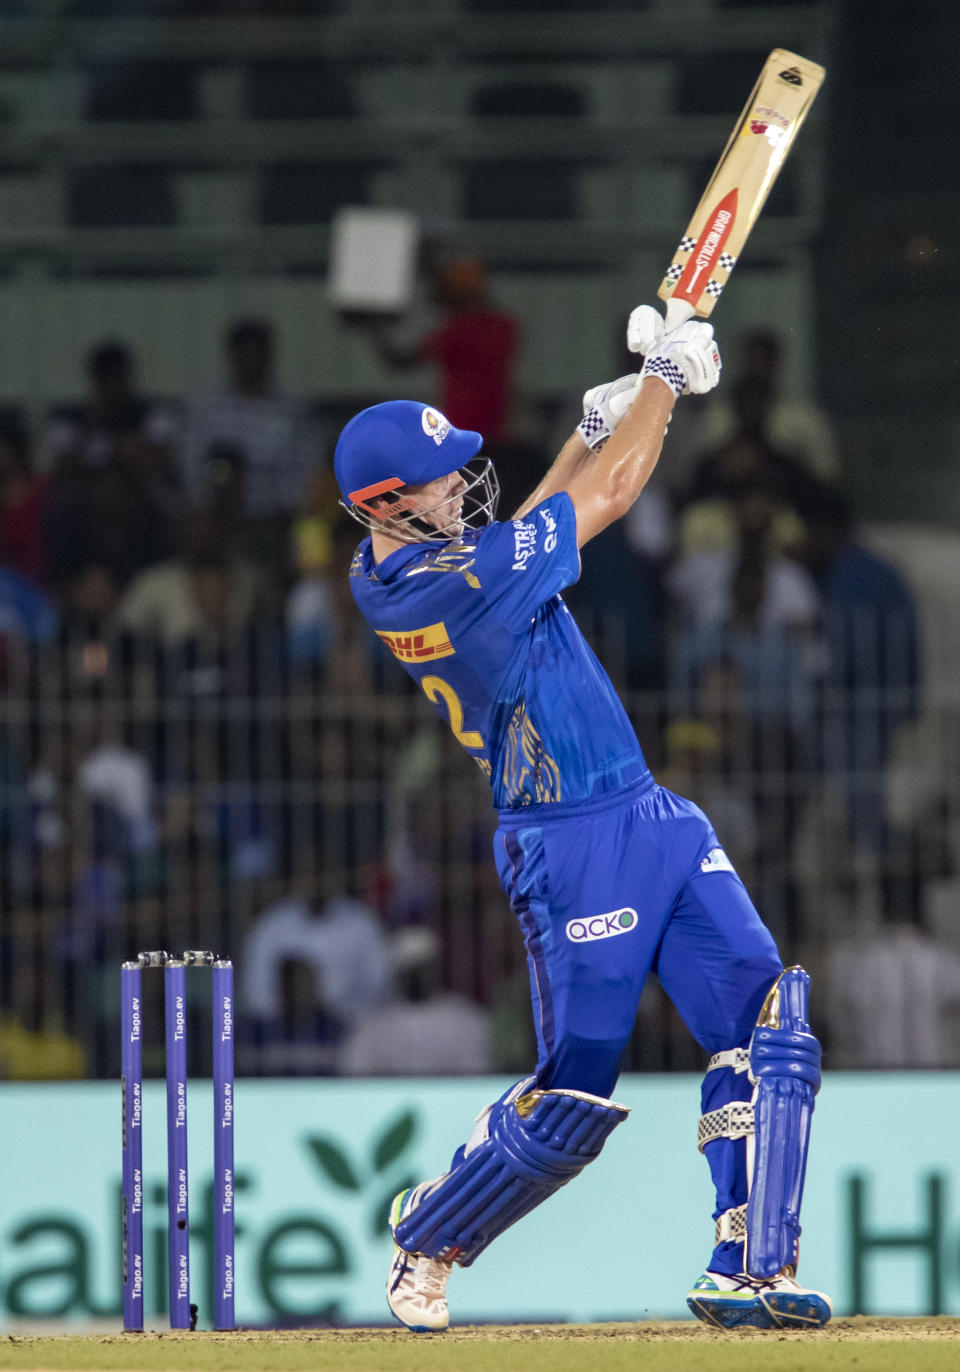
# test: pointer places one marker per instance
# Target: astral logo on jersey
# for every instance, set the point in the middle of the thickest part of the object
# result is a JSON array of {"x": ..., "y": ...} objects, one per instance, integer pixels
[
  {"x": 419, "y": 645},
  {"x": 435, "y": 425},
  {"x": 596, "y": 927},
  {"x": 716, "y": 861},
  {"x": 524, "y": 543}
]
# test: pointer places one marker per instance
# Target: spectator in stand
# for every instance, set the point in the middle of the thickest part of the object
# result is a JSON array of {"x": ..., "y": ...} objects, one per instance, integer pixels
[
  {"x": 324, "y": 641},
  {"x": 268, "y": 434},
  {"x": 474, "y": 345},
  {"x": 42, "y": 1052},
  {"x": 758, "y": 749},
  {"x": 746, "y": 637},
  {"x": 15, "y": 838},
  {"x": 749, "y": 585},
  {"x": 27, "y": 614},
  {"x": 91, "y": 654},
  {"x": 893, "y": 996},
  {"x": 749, "y": 461},
  {"x": 88, "y": 603},
  {"x": 428, "y": 1030},
  {"x": 872, "y": 675},
  {"x": 93, "y": 781},
  {"x": 797, "y": 426},
  {"x": 300, "y": 1038},
  {"x": 343, "y": 942},
  {"x": 311, "y": 602},
  {"x": 119, "y": 780},
  {"x": 201, "y": 594},
  {"x": 22, "y": 505},
  {"x": 104, "y": 515},
  {"x": 115, "y": 420},
  {"x": 110, "y": 498},
  {"x": 206, "y": 623},
  {"x": 109, "y": 848}
]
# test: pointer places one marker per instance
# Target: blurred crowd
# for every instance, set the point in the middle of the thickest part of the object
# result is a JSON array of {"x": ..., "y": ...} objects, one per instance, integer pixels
[{"x": 200, "y": 742}]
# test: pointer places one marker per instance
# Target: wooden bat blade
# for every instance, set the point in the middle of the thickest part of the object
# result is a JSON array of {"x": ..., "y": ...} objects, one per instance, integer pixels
[{"x": 739, "y": 186}]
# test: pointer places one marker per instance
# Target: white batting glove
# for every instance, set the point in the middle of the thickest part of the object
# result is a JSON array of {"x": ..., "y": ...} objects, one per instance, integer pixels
[
  {"x": 604, "y": 407},
  {"x": 687, "y": 359},
  {"x": 644, "y": 329}
]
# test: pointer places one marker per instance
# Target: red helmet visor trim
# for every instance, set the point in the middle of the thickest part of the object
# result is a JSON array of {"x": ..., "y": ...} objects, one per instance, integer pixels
[{"x": 378, "y": 488}]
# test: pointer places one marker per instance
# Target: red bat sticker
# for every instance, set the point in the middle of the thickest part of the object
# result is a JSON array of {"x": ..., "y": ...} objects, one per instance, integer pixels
[{"x": 710, "y": 245}]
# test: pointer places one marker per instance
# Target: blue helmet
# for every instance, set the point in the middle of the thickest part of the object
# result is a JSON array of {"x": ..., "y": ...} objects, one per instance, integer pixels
[{"x": 403, "y": 443}]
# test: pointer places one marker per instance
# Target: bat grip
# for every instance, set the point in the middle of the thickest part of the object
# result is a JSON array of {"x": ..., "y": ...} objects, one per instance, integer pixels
[{"x": 676, "y": 313}]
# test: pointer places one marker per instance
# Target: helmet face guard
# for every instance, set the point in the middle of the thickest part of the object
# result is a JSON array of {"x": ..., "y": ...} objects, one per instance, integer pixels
[
  {"x": 388, "y": 453},
  {"x": 388, "y": 507}
]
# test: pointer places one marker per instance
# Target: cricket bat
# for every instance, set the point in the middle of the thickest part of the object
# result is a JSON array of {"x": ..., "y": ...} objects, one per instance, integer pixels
[{"x": 739, "y": 186}]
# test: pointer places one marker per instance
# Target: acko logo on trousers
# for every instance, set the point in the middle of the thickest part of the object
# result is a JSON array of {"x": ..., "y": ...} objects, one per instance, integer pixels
[{"x": 595, "y": 927}]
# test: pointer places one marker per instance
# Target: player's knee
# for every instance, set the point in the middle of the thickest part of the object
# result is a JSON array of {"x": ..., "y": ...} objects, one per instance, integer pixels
[
  {"x": 756, "y": 976},
  {"x": 578, "y": 1064}
]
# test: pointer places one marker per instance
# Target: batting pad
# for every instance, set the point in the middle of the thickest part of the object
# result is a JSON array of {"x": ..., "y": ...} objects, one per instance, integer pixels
[
  {"x": 785, "y": 1067},
  {"x": 526, "y": 1147}
]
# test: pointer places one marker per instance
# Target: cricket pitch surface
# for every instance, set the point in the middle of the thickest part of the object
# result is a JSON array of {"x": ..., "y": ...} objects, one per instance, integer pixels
[{"x": 880, "y": 1345}]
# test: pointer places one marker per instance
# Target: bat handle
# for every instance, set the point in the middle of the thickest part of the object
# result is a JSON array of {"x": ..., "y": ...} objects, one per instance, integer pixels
[{"x": 676, "y": 313}]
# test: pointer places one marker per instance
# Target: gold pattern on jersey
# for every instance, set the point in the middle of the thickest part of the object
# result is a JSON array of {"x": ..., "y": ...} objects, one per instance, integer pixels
[
  {"x": 529, "y": 773},
  {"x": 458, "y": 557}
]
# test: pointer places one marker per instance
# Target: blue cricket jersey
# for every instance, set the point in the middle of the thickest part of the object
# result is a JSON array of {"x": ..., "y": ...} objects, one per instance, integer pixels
[{"x": 480, "y": 625}]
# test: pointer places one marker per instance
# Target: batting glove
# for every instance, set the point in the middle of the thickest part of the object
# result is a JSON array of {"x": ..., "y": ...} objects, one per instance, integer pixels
[
  {"x": 604, "y": 407},
  {"x": 687, "y": 359},
  {"x": 644, "y": 330}
]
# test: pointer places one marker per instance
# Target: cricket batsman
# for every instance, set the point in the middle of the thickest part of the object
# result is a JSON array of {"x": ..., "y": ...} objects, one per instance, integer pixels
[{"x": 610, "y": 875}]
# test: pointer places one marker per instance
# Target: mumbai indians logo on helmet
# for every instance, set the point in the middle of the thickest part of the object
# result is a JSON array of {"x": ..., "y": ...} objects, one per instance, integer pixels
[
  {"x": 435, "y": 425},
  {"x": 596, "y": 927}
]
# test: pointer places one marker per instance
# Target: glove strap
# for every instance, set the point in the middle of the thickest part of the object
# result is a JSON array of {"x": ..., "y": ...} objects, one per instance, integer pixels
[
  {"x": 593, "y": 429},
  {"x": 667, "y": 371}
]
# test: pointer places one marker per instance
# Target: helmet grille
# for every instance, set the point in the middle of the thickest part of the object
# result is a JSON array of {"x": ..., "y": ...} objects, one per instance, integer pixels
[{"x": 400, "y": 520}]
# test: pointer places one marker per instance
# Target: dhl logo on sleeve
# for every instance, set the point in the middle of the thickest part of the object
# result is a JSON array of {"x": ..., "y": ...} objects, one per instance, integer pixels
[{"x": 419, "y": 645}]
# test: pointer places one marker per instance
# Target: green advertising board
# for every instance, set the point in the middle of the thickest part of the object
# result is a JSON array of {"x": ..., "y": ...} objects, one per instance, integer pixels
[{"x": 319, "y": 1161}]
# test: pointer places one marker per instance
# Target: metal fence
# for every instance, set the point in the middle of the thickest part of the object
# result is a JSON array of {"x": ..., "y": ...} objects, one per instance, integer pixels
[{"x": 171, "y": 796}]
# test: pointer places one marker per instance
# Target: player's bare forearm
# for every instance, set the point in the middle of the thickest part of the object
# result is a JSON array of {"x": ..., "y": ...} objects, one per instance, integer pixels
[
  {"x": 604, "y": 490},
  {"x": 573, "y": 457}
]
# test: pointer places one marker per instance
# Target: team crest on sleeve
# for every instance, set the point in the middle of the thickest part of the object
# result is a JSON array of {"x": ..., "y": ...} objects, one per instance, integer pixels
[
  {"x": 435, "y": 425},
  {"x": 418, "y": 645},
  {"x": 716, "y": 861}
]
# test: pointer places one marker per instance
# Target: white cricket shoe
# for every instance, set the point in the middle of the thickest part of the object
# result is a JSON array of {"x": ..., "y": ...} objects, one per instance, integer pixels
[
  {"x": 773, "y": 1303},
  {"x": 417, "y": 1285},
  {"x": 417, "y": 1291}
]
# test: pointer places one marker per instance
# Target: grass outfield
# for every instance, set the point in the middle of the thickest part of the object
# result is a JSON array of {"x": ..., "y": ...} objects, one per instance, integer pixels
[{"x": 876, "y": 1344}]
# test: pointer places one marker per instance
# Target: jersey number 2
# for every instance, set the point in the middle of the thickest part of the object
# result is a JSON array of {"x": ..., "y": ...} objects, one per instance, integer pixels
[{"x": 435, "y": 687}]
